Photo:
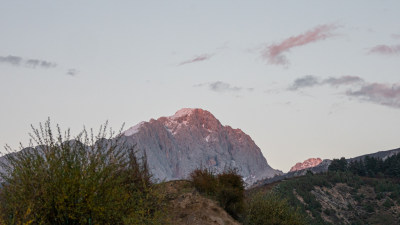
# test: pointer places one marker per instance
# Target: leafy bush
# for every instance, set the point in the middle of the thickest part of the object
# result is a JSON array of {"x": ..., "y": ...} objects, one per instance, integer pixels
[
  {"x": 227, "y": 188},
  {"x": 85, "y": 180},
  {"x": 204, "y": 180},
  {"x": 271, "y": 209},
  {"x": 230, "y": 192}
]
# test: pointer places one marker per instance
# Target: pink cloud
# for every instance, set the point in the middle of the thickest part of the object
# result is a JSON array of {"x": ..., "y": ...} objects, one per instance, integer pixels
[
  {"x": 378, "y": 93},
  {"x": 384, "y": 94},
  {"x": 385, "y": 49},
  {"x": 198, "y": 58},
  {"x": 274, "y": 53}
]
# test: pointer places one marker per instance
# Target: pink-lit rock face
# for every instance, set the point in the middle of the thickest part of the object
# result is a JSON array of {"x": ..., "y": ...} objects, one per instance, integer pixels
[
  {"x": 306, "y": 164},
  {"x": 193, "y": 138}
]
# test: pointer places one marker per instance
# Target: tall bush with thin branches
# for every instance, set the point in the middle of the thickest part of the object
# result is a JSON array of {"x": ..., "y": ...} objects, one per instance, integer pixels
[{"x": 88, "y": 179}]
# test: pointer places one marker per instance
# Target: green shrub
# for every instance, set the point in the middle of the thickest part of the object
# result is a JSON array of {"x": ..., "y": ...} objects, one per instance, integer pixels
[
  {"x": 272, "y": 209},
  {"x": 227, "y": 188},
  {"x": 85, "y": 180},
  {"x": 230, "y": 192}
]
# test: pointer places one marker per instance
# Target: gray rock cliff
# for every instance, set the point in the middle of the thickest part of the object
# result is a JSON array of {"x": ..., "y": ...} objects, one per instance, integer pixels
[{"x": 194, "y": 138}]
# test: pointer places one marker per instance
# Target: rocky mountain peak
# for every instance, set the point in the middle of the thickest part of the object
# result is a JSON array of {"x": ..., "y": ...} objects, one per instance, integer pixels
[
  {"x": 185, "y": 112},
  {"x": 312, "y": 162},
  {"x": 193, "y": 138},
  {"x": 185, "y": 118}
]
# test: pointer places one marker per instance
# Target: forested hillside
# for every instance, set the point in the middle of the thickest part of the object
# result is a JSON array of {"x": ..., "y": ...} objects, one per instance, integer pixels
[{"x": 363, "y": 191}]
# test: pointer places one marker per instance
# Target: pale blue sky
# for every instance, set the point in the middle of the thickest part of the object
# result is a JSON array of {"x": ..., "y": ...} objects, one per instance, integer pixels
[{"x": 135, "y": 60}]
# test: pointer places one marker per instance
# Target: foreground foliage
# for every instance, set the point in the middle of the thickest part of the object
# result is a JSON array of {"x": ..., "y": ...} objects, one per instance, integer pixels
[
  {"x": 227, "y": 188},
  {"x": 85, "y": 180}
]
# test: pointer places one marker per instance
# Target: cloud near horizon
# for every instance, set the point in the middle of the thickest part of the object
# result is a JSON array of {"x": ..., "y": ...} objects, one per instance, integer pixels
[
  {"x": 221, "y": 87},
  {"x": 30, "y": 63},
  {"x": 383, "y": 94},
  {"x": 197, "y": 58},
  {"x": 274, "y": 53},
  {"x": 379, "y": 93},
  {"x": 311, "y": 81},
  {"x": 385, "y": 50},
  {"x": 72, "y": 72}
]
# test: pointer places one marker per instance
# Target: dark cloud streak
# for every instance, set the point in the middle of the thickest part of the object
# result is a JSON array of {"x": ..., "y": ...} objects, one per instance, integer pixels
[
  {"x": 30, "y": 63},
  {"x": 343, "y": 80},
  {"x": 72, "y": 72},
  {"x": 304, "y": 82},
  {"x": 39, "y": 63},
  {"x": 311, "y": 81},
  {"x": 222, "y": 87},
  {"x": 198, "y": 58},
  {"x": 13, "y": 60}
]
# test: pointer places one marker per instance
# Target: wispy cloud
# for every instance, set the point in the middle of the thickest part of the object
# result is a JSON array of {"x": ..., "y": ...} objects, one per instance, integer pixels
[
  {"x": 30, "y": 63},
  {"x": 72, "y": 72},
  {"x": 384, "y": 94},
  {"x": 379, "y": 93},
  {"x": 39, "y": 63},
  {"x": 12, "y": 60},
  {"x": 274, "y": 53},
  {"x": 197, "y": 58},
  {"x": 221, "y": 87},
  {"x": 304, "y": 82},
  {"x": 343, "y": 80},
  {"x": 311, "y": 81},
  {"x": 385, "y": 50},
  {"x": 396, "y": 36}
]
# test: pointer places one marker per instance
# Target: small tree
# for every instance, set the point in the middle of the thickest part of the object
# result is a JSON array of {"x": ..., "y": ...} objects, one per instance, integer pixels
[
  {"x": 85, "y": 180},
  {"x": 338, "y": 165}
]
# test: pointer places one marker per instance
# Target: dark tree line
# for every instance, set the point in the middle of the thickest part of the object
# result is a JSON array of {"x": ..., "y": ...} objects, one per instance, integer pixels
[{"x": 369, "y": 166}]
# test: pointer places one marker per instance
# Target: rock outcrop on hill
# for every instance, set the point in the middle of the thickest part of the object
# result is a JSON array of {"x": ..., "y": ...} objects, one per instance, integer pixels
[
  {"x": 312, "y": 162},
  {"x": 193, "y": 138}
]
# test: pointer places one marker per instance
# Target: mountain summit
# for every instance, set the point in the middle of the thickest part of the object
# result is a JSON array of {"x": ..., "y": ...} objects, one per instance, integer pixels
[{"x": 193, "y": 138}]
